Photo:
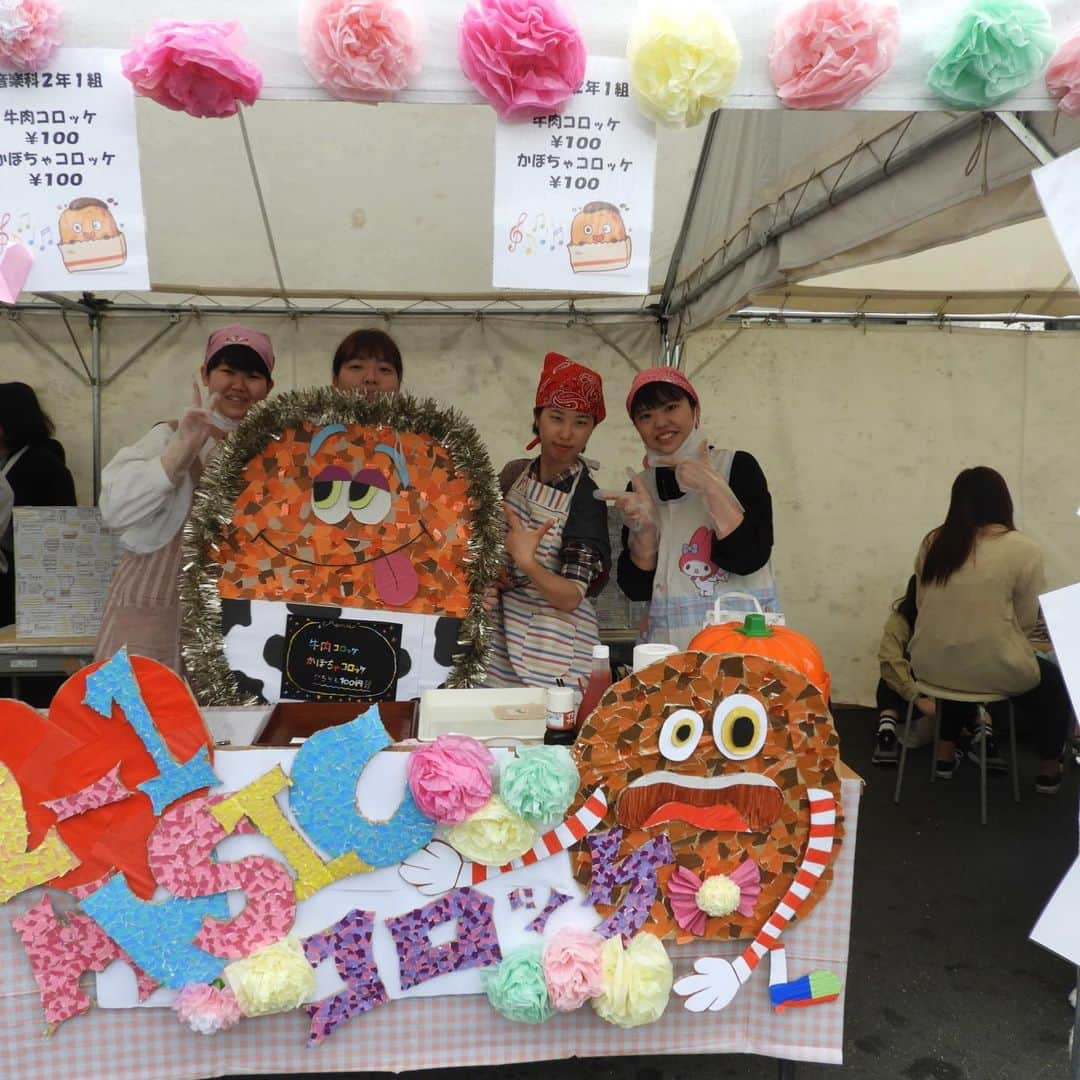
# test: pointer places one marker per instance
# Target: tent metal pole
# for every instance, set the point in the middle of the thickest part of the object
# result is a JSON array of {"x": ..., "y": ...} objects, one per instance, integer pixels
[
  {"x": 896, "y": 164},
  {"x": 688, "y": 213},
  {"x": 95, "y": 397},
  {"x": 1030, "y": 140}
]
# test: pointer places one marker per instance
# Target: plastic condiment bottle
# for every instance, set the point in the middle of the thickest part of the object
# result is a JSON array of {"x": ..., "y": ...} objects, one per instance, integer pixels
[
  {"x": 599, "y": 681},
  {"x": 560, "y": 720}
]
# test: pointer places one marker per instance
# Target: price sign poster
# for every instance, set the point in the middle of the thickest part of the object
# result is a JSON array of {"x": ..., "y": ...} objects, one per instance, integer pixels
[
  {"x": 340, "y": 660},
  {"x": 574, "y": 192},
  {"x": 69, "y": 174}
]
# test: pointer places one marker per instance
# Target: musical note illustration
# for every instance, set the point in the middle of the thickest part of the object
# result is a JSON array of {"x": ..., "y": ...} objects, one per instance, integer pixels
[
  {"x": 4, "y": 222},
  {"x": 45, "y": 238},
  {"x": 558, "y": 237},
  {"x": 516, "y": 235},
  {"x": 530, "y": 243},
  {"x": 26, "y": 224}
]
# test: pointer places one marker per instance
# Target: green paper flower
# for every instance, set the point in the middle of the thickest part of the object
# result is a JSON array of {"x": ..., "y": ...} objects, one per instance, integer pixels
[
  {"x": 996, "y": 48},
  {"x": 516, "y": 987},
  {"x": 539, "y": 784}
]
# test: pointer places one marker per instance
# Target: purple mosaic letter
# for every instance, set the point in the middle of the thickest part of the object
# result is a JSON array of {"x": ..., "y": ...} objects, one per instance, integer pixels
[{"x": 638, "y": 869}]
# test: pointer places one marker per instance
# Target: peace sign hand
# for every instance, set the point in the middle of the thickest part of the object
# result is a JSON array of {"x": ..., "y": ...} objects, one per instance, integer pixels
[
  {"x": 202, "y": 421},
  {"x": 521, "y": 541},
  {"x": 696, "y": 473}
]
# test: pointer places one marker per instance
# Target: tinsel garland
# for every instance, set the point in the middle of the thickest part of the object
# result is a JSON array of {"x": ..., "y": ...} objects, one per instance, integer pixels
[{"x": 211, "y": 516}]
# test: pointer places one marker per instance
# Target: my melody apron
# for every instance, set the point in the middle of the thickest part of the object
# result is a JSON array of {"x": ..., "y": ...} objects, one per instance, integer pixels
[
  {"x": 687, "y": 581},
  {"x": 534, "y": 643}
]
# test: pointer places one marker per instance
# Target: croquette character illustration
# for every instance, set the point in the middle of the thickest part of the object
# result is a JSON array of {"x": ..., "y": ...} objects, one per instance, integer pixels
[
  {"x": 90, "y": 239},
  {"x": 345, "y": 508},
  {"x": 598, "y": 239},
  {"x": 722, "y": 815}
]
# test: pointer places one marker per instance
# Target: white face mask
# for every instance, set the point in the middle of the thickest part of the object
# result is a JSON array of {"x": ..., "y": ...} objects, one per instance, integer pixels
[{"x": 690, "y": 448}]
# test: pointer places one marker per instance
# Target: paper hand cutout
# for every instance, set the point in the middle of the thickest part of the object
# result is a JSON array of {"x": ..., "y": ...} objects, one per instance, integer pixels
[
  {"x": 712, "y": 988},
  {"x": 433, "y": 869}
]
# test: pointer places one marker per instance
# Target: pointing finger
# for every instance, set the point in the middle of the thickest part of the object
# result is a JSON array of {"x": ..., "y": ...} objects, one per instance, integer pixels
[
  {"x": 608, "y": 496},
  {"x": 542, "y": 531}
]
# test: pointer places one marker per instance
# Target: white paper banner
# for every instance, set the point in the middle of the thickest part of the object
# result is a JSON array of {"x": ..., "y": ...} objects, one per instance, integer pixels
[
  {"x": 69, "y": 174},
  {"x": 574, "y": 192},
  {"x": 1058, "y": 186}
]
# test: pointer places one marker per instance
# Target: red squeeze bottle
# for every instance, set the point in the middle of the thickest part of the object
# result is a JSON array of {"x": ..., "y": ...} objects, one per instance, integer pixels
[{"x": 599, "y": 681}]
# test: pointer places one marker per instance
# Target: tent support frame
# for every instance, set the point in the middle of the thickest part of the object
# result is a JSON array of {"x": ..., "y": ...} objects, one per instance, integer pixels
[{"x": 1030, "y": 140}]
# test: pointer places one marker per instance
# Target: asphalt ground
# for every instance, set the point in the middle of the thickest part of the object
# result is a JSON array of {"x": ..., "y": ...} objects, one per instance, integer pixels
[{"x": 943, "y": 983}]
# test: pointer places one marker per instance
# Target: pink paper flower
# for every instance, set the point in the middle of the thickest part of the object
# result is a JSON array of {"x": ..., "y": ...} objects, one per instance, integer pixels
[
  {"x": 194, "y": 68},
  {"x": 207, "y": 1009},
  {"x": 694, "y": 900},
  {"x": 572, "y": 968},
  {"x": 29, "y": 33},
  {"x": 526, "y": 57},
  {"x": 1063, "y": 76},
  {"x": 826, "y": 53},
  {"x": 451, "y": 778},
  {"x": 360, "y": 50}
]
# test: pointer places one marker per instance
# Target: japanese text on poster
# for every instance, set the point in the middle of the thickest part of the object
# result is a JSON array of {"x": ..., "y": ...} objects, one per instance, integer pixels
[
  {"x": 574, "y": 192},
  {"x": 70, "y": 191}
]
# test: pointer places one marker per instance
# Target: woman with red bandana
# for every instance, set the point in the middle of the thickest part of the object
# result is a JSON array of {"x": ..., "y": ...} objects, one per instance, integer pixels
[
  {"x": 558, "y": 554},
  {"x": 698, "y": 519}
]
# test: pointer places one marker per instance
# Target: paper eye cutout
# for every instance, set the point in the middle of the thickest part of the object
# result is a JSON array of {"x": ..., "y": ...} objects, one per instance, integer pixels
[
  {"x": 369, "y": 497},
  {"x": 739, "y": 726},
  {"x": 680, "y": 734},
  {"x": 329, "y": 494}
]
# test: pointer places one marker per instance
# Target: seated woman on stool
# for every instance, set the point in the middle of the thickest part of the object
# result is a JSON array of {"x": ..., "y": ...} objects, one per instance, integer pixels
[{"x": 979, "y": 581}]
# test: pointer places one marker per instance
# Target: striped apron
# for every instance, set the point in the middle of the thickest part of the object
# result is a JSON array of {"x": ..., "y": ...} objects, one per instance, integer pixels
[
  {"x": 142, "y": 609},
  {"x": 534, "y": 644},
  {"x": 687, "y": 582}
]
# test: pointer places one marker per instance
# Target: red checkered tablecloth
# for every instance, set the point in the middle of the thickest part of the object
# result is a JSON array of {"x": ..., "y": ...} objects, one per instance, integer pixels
[{"x": 446, "y": 1032}]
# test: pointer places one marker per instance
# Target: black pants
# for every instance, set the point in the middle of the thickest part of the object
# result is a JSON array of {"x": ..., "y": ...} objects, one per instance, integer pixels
[
  {"x": 889, "y": 699},
  {"x": 1044, "y": 710}
]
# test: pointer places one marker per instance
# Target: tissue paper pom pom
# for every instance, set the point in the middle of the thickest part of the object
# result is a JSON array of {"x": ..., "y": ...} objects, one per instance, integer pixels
[
  {"x": 572, "y": 968},
  {"x": 451, "y": 778},
  {"x": 492, "y": 836},
  {"x": 207, "y": 1009},
  {"x": 637, "y": 981},
  {"x": 274, "y": 979},
  {"x": 1063, "y": 76},
  {"x": 516, "y": 988},
  {"x": 684, "y": 58},
  {"x": 193, "y": 67},
  {"x": 996, "y": 48},
  {"x": 539, "y": 784},
  {"x": 360, "y": 50},
  {"x": 826, "y": 53},
  {"x": 526, "y": 57},
  {"x": 29, "y": 34}
]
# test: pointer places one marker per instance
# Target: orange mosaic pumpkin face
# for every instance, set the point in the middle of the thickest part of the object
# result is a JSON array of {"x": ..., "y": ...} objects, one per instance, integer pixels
[
  {"x": 350, "y": 514},
  {"x": 717, "y": 751},
  {"x": 597, "y": 223}
]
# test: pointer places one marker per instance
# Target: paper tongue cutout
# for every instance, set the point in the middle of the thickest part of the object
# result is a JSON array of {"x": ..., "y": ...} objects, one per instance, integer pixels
[
  {"x": 15, "y": 263},
  {"x": 395, "y": 579}
]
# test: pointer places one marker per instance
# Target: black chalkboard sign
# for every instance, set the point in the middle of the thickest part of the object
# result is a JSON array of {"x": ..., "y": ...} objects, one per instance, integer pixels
[{"x": 340, "y": 659}]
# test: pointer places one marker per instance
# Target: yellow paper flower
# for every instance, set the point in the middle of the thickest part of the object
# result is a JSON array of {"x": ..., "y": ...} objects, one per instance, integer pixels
[
  {"x": 637, "y": 981},
  {"x": 277, "y": 978},
  {"x": 718, "y": 895},
  {"x": 492, "y": 835},
  {"x": 684, "y": 58}
]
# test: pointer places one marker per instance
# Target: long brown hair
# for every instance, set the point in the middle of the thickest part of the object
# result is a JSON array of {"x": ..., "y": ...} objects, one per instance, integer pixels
[{"x": 979, "y": 497}]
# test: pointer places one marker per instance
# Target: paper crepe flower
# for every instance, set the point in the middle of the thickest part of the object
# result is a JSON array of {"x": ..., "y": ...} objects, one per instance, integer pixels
[
  {"x": 525, "y": 57},
  {"x": 29, "y": 33},
  {"x": 539, "y": 784},
  {"x": 206, "y": 1008},
  {"x": 637, "y": 981},
  {"x": 516, "y": 988},
  {"x": 360, "y": 50},
  {"x": 684, "y": 58},
  {"x": 492, "y": 836},
  {"x": 996, "y": 49},
  {"x": 1063, "y": 76},
  {"x": 193, "y": 67},
  {"x": 694, "y": 900},
  {"x": 572, "y": 968},
  {"x": 451, "y": 778},
  {"x": 827, "y": 53},
  {"x": 275, "y": 979}
]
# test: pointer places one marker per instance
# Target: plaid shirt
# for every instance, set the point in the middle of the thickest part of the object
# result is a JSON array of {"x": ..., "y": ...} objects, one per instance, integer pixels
[{"x": 581, "y": 561}]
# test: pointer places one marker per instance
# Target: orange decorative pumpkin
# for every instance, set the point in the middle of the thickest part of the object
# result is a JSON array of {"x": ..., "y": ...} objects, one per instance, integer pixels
[{"x": 755, "y": 637}]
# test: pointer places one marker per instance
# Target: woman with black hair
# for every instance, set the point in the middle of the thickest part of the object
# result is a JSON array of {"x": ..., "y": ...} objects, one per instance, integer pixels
[
  {"x": 147, "y": 491},
  {"x": 368, "y": 361},
  {"x": 979, "y": 581},
  {"x": 32, "y": 463}
]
